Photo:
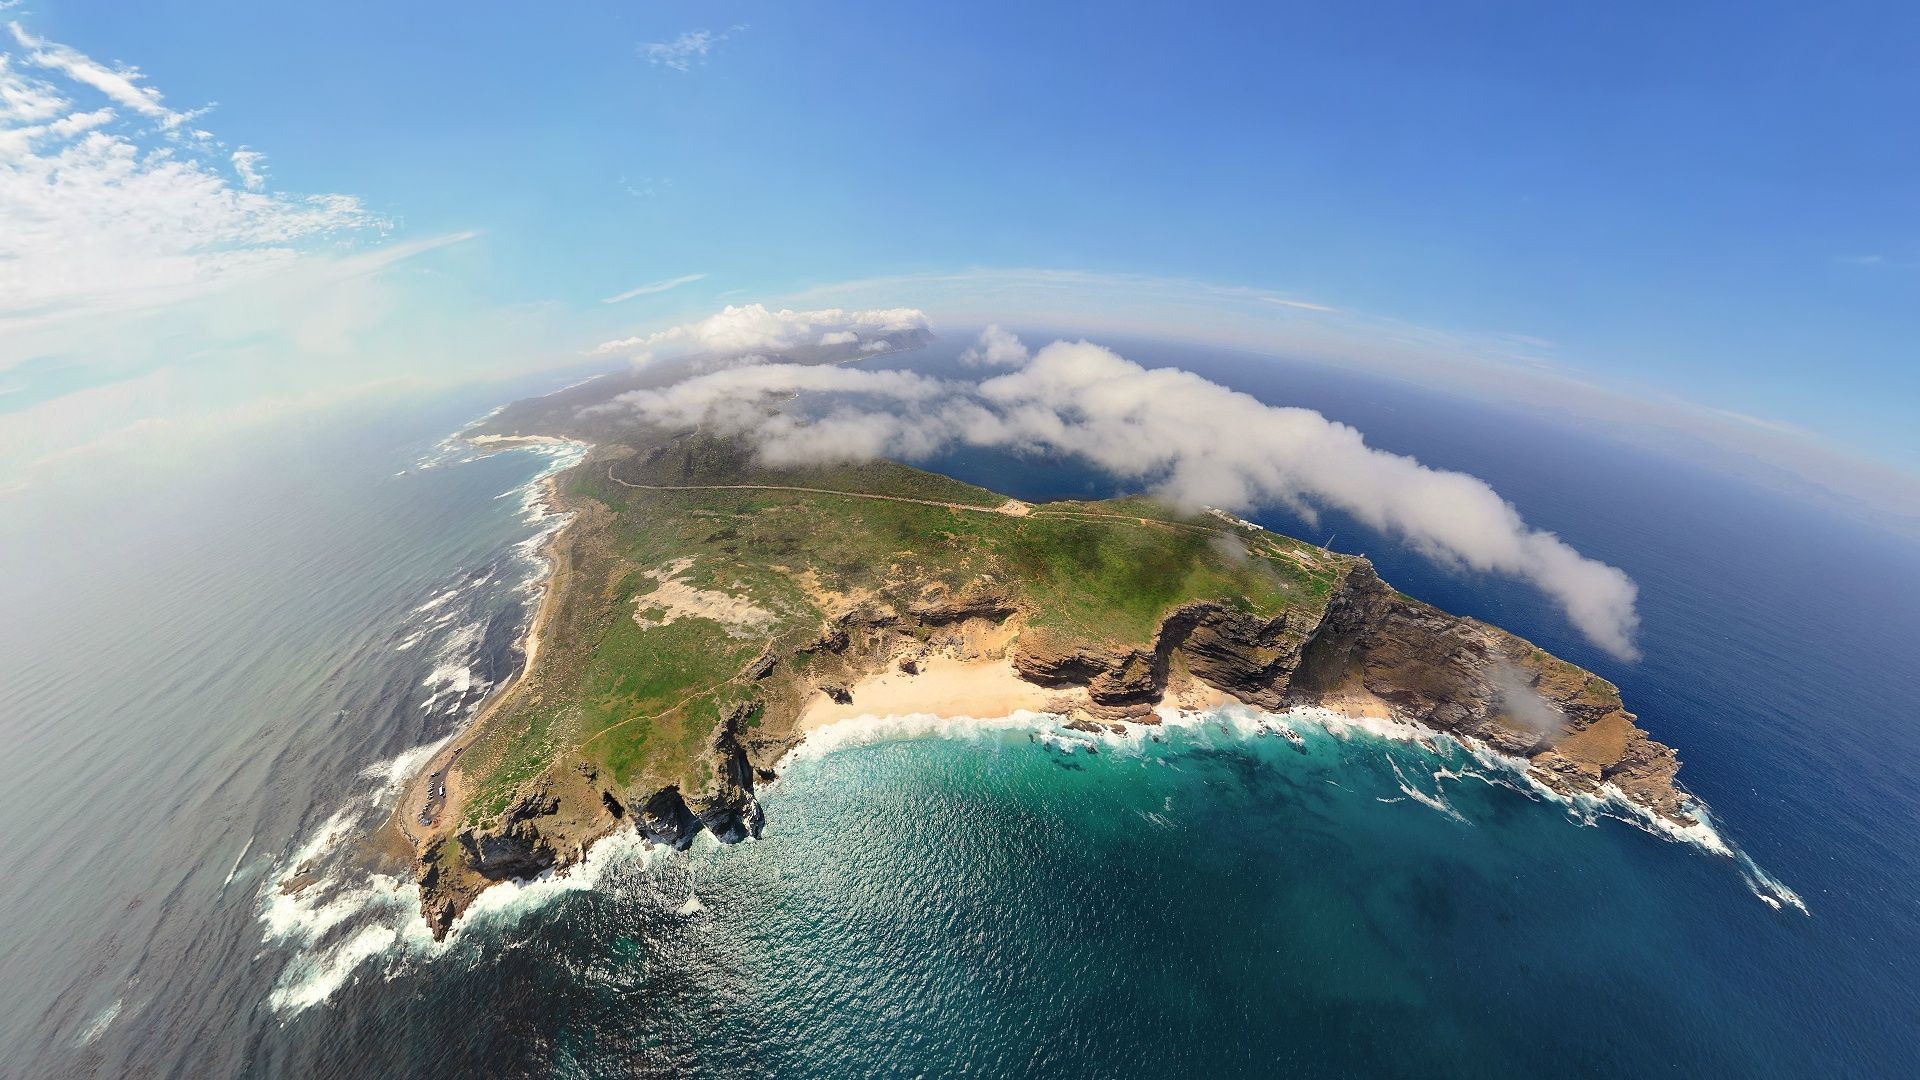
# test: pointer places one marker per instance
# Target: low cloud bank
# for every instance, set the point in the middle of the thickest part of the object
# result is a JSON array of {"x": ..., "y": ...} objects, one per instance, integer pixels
[
  {"x": 752, "y": 328},
  {"x": 1183, "y": 437}
]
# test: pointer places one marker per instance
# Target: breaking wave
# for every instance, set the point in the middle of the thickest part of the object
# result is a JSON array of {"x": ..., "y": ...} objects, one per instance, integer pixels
[
  {"x": 328, "y": 914},
  {"x": 1446, "y": 759}
]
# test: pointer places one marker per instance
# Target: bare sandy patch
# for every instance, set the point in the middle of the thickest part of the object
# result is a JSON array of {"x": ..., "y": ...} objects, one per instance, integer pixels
[
  {"x": 1192, "y": 695},
  {"x": 944, "y": 686},
  {"x": 831, "y": 601},
  {"x": 1354, "y": 703},
  {"x": 678, "y": 600}
]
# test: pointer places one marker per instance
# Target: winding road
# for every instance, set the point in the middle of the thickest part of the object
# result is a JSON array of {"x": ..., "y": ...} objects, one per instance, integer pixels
[{"x": 1010, "y": 508}]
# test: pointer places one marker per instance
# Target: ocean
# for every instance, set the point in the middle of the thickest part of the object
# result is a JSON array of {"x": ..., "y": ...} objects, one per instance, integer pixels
[{"x": 216, "y": 665}]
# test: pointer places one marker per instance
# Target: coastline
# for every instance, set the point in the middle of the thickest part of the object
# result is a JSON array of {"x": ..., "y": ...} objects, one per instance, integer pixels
[
  {"x": 554, "y": 551},
  {"x": 1354, "y": 649},
  {"x": 829, "y": 731},
  {"x": 963, "y": 688}
]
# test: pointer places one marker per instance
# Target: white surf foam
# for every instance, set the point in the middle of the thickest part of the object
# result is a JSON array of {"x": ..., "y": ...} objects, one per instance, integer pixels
[
  {"x": 1432, "y": 802},
  {"x": 237, "y": 860},
  {"x": 312, "y": 978},
  {"x": 1244, "y": 721},
  {"x": 341, "y": 917},
  {"x": 99, "y": 1024}
]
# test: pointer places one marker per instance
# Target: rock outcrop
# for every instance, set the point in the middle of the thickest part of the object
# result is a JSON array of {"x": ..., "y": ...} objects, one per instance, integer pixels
[
  {"x": 1378, "y": 652},
  {"x": 1368, "y": 650},
  {"x": 1239, "y": 653},
  {"x": 1377, "y": 647}
]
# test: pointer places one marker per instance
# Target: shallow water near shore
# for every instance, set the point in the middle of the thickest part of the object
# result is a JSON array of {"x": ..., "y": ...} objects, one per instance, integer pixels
[{"x": 221, "y": 671}]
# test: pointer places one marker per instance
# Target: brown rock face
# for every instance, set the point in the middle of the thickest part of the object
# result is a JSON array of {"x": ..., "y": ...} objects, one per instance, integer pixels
[
  {"x": 1464, "y": 677},
  {"x": 984, "y": 605},
  {"x": 1250, "y": 658},
  {"x": 549, "y": 827},
  {"x": 1386, "y": 652},
  {"x": 1241, "y": 654},
  {"x": 1370, "y": 649}
]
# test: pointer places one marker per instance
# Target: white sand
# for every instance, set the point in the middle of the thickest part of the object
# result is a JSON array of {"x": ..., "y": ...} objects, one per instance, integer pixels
[{"x": 945, "y": 686}]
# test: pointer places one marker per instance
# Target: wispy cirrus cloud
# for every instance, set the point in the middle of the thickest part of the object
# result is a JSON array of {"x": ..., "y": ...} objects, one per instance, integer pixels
[
  {"x": 690, "y": 48},
  {"x": 120, "y": 84},
  {"x": 1300, "y": 304},
  {"x": 653, "y": 287},
  {"x": 151, "y": 285},
  {"x": 109, "y": 202}
]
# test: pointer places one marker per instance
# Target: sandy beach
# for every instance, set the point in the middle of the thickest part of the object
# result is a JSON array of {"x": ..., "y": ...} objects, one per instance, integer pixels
[
  {"x": 977, "y": 687},
  {"x": 943, "y": 686},
  {"x": 417, "y": 795}
]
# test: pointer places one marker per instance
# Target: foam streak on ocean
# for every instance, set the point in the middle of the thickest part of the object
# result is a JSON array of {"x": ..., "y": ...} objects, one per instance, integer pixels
[{"x": 224, "y": 669}]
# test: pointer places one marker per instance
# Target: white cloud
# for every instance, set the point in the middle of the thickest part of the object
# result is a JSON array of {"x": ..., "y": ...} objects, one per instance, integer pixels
[
  {"x": 753, "y": 328},
  {"x": 690, "y": 48},
  {"x": 1503, "y": 367},
  {"x": 996, "y": 348},
  {"x": 839, "y": 337},
  {"x": 1300, "y": 304},
  {"x": 119, "y": 84},
  {"x": 247, "y": 164},
  {"x": 97, "y": 214},
  {"x": 654, "y": 287},
  {"x": 320, "y": 328},
  {"x": 1190, "y": 440}
]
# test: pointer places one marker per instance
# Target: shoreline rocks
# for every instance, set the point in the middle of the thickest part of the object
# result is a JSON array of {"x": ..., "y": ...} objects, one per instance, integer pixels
[{"x": 1371, "y": 650}]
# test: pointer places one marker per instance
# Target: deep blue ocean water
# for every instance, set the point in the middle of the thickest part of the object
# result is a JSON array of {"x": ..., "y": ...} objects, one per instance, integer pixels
[{"x": 213, "y": 666}]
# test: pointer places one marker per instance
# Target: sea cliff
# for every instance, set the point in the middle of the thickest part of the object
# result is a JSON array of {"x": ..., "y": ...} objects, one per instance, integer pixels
[{"x": 707, "y": 610}]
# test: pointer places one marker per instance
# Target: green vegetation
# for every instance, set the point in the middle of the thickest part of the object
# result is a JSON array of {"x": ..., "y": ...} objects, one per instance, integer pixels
[{"x": 642, "y": 699}]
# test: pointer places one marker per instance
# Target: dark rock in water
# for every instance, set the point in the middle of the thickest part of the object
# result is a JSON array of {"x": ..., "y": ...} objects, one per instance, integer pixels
[
  {"x": 731, "y": 818},
  {"x": 501, "y": 856},
  {"x": 666, "y": 819}
]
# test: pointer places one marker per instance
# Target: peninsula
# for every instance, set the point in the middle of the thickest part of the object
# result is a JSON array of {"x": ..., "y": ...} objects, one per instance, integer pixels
[{"x": 706, "y": 611}]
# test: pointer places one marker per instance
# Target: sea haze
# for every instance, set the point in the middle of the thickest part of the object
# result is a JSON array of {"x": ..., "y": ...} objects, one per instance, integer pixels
[{"x": 212, "y": 670}]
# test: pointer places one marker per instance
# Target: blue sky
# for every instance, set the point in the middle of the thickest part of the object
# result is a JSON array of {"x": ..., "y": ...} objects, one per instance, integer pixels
[{"x": 1713, "y": 204}]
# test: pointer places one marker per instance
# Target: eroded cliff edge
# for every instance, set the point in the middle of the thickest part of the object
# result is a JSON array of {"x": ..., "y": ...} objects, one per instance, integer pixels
[{"x": 1361, "y": 648}]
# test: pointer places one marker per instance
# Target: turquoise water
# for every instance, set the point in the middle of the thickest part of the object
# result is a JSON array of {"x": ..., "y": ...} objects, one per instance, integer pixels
[
  {"x": 218, "y": 664},
  {"x": 1011, "y": 902}
]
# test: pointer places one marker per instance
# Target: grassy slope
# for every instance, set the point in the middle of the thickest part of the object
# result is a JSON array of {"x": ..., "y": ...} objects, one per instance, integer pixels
[{"x": 642, "y": 702}]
